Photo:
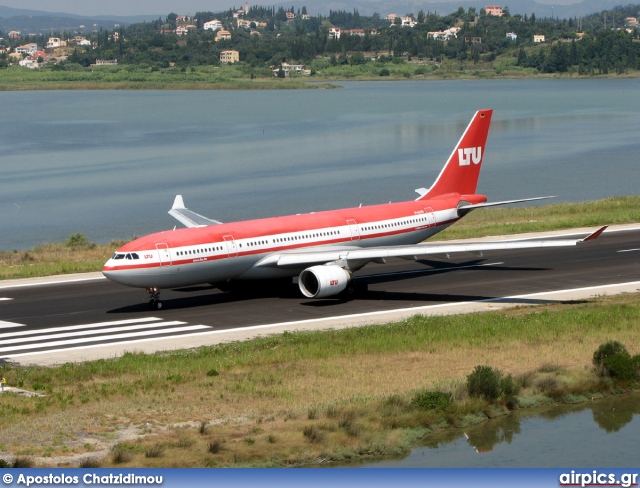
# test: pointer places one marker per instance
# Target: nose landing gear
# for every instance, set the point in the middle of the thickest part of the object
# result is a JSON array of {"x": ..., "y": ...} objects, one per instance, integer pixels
[{"x": 154, "y": 303}]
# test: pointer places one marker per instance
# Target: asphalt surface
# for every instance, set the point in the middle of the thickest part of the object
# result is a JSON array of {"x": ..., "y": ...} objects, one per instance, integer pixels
[{"x": 93, "y": 318}]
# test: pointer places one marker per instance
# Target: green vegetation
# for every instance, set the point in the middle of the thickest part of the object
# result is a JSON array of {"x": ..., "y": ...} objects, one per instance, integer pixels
[
  {"x": 153, "y": 55},
  {"x": 78, "y": 255},
  {"x": 75, "y": 255},
  {"x": 301, "y": 397}
]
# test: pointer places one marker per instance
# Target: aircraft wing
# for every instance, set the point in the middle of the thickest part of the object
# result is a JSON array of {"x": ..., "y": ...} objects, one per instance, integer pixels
[
  {"x": 302, "y": 258},
  {"x": 187, "y": 217}
]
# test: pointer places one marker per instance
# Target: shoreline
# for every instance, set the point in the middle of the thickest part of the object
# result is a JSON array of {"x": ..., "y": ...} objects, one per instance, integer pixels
[{"x": 296, "y": 83}]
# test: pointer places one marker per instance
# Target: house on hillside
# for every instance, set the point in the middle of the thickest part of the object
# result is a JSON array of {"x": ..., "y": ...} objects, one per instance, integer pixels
[
  {"x": 229, "y": 56},
  {"x": 55, "y": 42},
  {"x": 30, "y": 48},
  {"x": 495, "y": 10},
  {"x": 538, "y": 38},
  {"x": 183, "y": 30},
  {"x": 29, "y": 62},
  {"x": 212, "y": 25},
  {"x": 222, "y": 34},
  {"x": 408, "y": 22},
  {"x": 512, "y": 36}
]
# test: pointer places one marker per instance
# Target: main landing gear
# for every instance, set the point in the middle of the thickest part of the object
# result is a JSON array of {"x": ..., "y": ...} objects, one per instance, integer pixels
[{"x": 154, "y": 303}]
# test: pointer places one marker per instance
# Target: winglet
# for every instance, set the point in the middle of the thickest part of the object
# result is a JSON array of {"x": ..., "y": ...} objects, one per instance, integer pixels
[
  {"x": 188, "y": 218},
  {"x": 595, "y": 235},
  {"x": 178, "y": 203}
]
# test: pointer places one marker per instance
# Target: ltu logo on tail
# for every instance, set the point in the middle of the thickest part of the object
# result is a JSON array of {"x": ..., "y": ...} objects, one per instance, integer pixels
[{"x": 468, "y": 154}]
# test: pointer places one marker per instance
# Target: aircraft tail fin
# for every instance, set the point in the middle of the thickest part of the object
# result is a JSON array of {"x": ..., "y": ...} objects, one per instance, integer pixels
[{"x": 462, "y": 170}]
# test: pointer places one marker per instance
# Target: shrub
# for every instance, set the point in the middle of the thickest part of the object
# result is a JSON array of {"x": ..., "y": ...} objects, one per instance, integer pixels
[
  {"x": 620, "y": 366},
  {"x": 509, "y": 386},
  {"x": 213, "y": 372},
  {"x": 606, "y": 350},
  {"x": 77, "y": 241},
  {"x": 313, "y": 434},
  {"x": 89, "y": 463},
  {"x": 485, "y": 382},
  {"x": 215, "y": 446},
  {"x": 119, "y": 455},
  {"x": 22, "y": 462},
  {"x": 4, "y": 464},
  {"x": 385, "y": 72},
  {"x": 154, "y": 451},
  {"x": 431, "y": 400}
]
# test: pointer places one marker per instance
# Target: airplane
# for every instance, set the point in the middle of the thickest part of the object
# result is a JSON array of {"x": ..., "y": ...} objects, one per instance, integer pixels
[{"x": 324, "y": 248}]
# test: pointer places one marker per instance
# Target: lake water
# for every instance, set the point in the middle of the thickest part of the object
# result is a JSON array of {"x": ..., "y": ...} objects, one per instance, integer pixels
[
  {"x": 109, "y": 163},
  {"x": 603, "y": 433}
]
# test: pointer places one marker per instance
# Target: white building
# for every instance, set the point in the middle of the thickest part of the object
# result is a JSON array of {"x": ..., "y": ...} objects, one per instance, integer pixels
[
  {"x": 29, "y": 62},
  {"x": 30, "y": 48},
  {"x": 54, "y": 42},
  {"x": 408, "y": 22},
  {"x": 212, "y": 25}
]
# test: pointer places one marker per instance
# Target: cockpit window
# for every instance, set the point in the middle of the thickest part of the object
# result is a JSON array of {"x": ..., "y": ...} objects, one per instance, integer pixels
[
  {"x": 135, "y": 255},
  {"x": 118, "y": 256}
]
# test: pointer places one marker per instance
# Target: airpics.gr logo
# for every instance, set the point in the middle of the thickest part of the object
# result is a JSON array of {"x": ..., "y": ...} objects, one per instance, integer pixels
[{"x": 468, "y": 154}]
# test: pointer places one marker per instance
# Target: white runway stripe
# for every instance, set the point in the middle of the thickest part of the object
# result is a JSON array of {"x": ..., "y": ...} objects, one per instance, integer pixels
[
  {"x": 8, "y": 325},
  {"x": 83, "y": 333},
  {"x": 116, "y": 343},
  {"x": 104, "y": 339},
  {"x": 4, "y": 299},
  {"x": 66, "y": 328}
]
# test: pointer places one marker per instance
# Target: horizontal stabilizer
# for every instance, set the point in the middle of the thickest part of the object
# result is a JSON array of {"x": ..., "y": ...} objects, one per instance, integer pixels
[
  {"x": 465, "y": 209},
  {"x": 187, "y": 217}
]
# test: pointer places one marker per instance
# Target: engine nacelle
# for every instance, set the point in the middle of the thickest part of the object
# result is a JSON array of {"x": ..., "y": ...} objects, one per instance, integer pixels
[{"x": 323, "y": 281}]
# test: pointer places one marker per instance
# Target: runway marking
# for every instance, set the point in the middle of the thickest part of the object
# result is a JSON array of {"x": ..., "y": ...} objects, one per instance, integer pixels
[
  {"x": 77, "y": 342},
  {"x": 116, "y": 343},
  {"x": 78, "y": 327},
  {"x": 83, "y": 333},
  {"x": 8, "y": 325},
  {"x": 629, "y": 250},
  {"x": 3, "y": 299}
]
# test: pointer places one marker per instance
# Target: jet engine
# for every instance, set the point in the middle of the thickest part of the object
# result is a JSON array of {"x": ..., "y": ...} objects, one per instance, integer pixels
[{"x": 323, "y": 281}]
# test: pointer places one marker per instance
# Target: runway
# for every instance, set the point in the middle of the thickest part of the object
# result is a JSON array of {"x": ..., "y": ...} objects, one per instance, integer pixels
[{"x": 86, "y": 317}]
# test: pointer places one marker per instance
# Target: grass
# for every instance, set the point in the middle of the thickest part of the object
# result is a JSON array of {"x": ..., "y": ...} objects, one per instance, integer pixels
[
  {"x": 301, "y": 398},
  {"x": 241, "y": 76},
  {"x": 72, "y": 256},
  {"x": 136, "y": 77}
]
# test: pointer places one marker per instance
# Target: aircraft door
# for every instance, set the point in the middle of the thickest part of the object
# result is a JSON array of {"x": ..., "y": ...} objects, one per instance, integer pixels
[
  {"x": 164, "y": 254},
  {"x": 431, "y": 216},
  {"x": 232, "y": 249},
  {"x": 353, "y": 228}
]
